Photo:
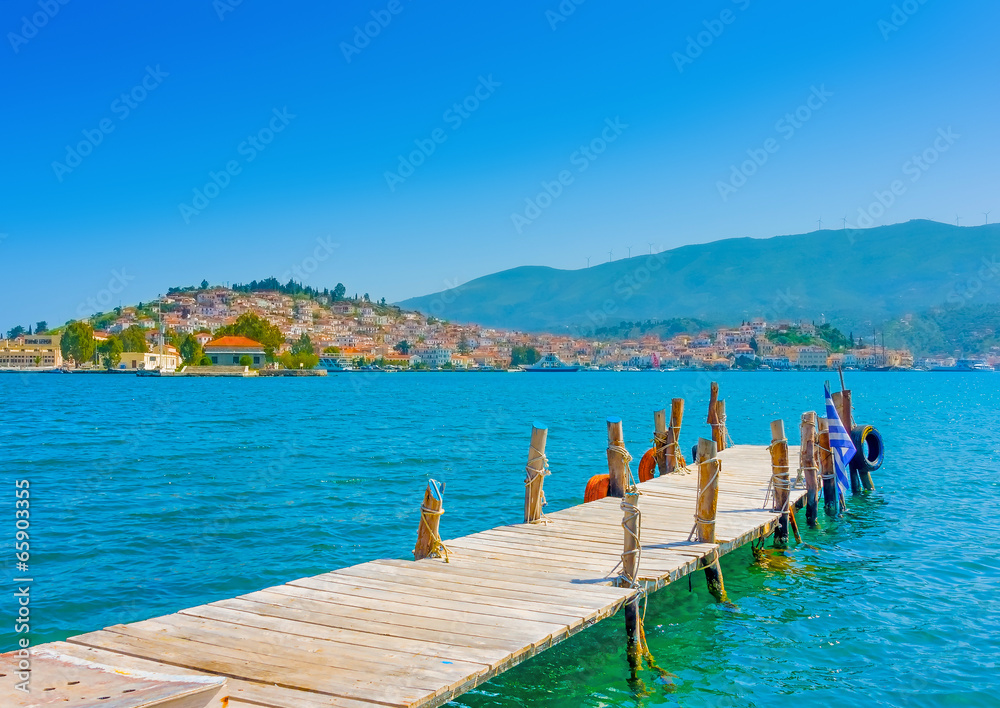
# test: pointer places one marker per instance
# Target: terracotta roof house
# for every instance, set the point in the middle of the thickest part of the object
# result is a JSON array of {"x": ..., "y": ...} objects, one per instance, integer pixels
[{"x": 227, "y": 351}]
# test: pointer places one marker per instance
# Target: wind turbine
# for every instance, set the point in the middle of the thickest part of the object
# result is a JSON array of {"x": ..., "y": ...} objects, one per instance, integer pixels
[
  {"x": 650, "y": 247},
  {"x": 588, "y": 261},
  {"x": 958, "y": 220},
  {"x": 610, "y": 256},
  {"x": 629, "y": 251},
  {"x": 820, "y": 222},
  {"x": 987, "y": 215},
  {"x": 845, "y": 223}
]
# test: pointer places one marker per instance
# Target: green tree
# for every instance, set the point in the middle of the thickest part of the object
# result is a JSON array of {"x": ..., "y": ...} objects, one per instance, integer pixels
[
  {"x": 256, "y": 328},
  {"x": 205, "y": 361},
  {"x": 754, "y": 345},
  {"x": 111, "y": 352},
  {"x": 77, "y": 342},
  {"x": 331, "y": 350},
  {"x": 463, "y": 345},
  {"x": 302, "y": 360},
  {"x": 303, "y": 345},
  {"x": 204, "y": 285},
  {"x": 133, "y": 339},
  {"x": 339, "y": 292},
  {"x": 15, "y": 332},
  {"x": 245, "y": 360},
  {"x": 41, "y": 327},
  {"x": 523, "y": 355},
  {"x": 190, "y": 350},
  {"x": 403, "y": 347}
]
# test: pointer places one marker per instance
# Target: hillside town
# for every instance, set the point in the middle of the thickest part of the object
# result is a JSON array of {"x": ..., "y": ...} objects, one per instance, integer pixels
[{"x": 357, "y": 333}]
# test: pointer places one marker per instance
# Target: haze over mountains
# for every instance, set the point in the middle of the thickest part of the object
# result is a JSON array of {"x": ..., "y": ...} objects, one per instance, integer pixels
[{"x": 851, "y": 277}]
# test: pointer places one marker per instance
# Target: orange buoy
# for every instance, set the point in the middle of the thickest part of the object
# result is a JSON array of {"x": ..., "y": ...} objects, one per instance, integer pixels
[
  {"x": 597, "y": 488},
  {"x": 647, "y": 465}
]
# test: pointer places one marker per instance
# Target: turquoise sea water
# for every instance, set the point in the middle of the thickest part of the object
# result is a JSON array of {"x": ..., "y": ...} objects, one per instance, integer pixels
[{"x": 151, "y": 495}]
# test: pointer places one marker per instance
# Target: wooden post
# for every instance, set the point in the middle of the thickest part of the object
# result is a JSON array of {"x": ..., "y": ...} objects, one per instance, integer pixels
[
  {"x": 674, "y": 457},
  {"x": 535, "y": 471},
  {"x": 842, "y": 402},
  {"x": 827, "y": 471},
  {"x": 713, "y": 414},
  {"x": 780, "y": 480},
  {"x": 660, "y": 440},
  {"x": 428, "y": 534},
  {"x": 807, "y": 461},
  {"x": 632, "y": 548},
  {"x": 617, "y": 475},
  {"x": 707, "y": 504},
  {"x": 720, "y": 417}
]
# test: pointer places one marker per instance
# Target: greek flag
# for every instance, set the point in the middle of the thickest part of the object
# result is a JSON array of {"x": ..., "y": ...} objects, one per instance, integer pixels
[{"x": 841, "y": 444}]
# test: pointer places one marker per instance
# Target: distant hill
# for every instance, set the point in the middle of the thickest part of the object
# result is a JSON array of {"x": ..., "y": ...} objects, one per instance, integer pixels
[{"x": 855, "y": 278}]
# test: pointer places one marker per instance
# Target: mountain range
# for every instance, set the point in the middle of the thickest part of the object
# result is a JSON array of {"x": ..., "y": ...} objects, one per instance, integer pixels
[{"x": 853, "y": 277}]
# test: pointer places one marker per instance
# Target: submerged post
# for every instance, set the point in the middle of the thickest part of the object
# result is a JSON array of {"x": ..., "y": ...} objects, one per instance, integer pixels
[
  {"x": 780, "y": 481},
  {"x": 617, "y": 459},
  {"x": 826, "y": 469},
  {"x": 707, "y": 505},
  {"x": 807, "y": 462},
  {"x": 660, "y": 439},
  {"x": 632, "y": 549},
  {"x": 535, "y": 472},
  {"x": 675, "y": 460},
  {"x": 429, "y": 543}
]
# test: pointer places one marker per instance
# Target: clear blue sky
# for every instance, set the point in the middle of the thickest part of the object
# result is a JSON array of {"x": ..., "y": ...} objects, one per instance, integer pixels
[{"x": 547, "y": 83}]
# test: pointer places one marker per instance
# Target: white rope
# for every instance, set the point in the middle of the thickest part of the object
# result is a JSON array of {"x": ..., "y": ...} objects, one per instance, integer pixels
[{"x": 535, "y": 456}]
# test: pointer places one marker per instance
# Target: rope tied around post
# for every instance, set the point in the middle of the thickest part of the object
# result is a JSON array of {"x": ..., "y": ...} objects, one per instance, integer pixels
[
  {"x": 531, "y": 481},
  {"x": 438, "y": 548},
  {"x": 698, "y": 519},
  {"x": 429, "y": 541}
]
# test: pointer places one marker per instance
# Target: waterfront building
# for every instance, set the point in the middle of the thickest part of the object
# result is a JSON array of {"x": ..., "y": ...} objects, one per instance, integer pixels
[
  {"x": 169, "y": 360},
  {"x": 227, "y": 351},
  {"x": 31, "y": 351}
]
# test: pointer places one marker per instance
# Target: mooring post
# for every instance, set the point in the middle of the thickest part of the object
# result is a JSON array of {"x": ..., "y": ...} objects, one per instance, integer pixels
[
  {"x": 429, "y": 543},
  {"x": 535, "y": 472},
  {"x": 780, "y": 479},
  {"x": 843, "y": 412},
  {"x": 713, "y": 415},
  {"x": 675, "y": 459},
  {"x": 827, "y": 470},
  {"x": 807, "y": 461},
  {"x": 617, "y": 459},
  {"x": 707, "y": 505},
  {"x": 631, "y": 523},
  {"x": 720, "y": 416},
  {"x": 660, "y": 440}
]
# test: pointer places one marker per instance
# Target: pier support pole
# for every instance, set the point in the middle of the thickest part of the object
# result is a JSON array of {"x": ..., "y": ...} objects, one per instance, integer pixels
[
  {"x": 780, "y": 480},
  {"x": 713, "y": 416},
  {"x": 720, "y": 417},
  {"x": 429, "y": 543},
  {"x": 675, "y": 460},
  {"x": 707, "y": 505},
  {"x": 631, "y": 523},
  {"x": 535, "y": 472},
  {"x": 617, "y": 462},
  {"x": 807, "y": 462},
  {"x": 827, "y": 472},
  {"x": 660, "y": 440}
]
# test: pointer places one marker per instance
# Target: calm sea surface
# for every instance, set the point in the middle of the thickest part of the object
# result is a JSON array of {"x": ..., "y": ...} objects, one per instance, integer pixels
[{"x": 152, "y": 495}]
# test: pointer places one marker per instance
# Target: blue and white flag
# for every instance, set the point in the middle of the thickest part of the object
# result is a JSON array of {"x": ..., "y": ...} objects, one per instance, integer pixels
[{"x": 841, "y": 445}]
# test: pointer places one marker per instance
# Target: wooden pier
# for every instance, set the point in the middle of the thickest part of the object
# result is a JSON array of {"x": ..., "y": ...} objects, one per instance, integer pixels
[{"x": 410, "y": 633}]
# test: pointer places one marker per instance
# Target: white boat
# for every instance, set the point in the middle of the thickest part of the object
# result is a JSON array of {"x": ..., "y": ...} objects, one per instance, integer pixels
[{"x": 551, "y": 363}]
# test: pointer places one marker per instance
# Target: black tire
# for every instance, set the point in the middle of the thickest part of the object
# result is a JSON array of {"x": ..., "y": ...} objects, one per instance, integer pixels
[{"x": 867, "y": 436}]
